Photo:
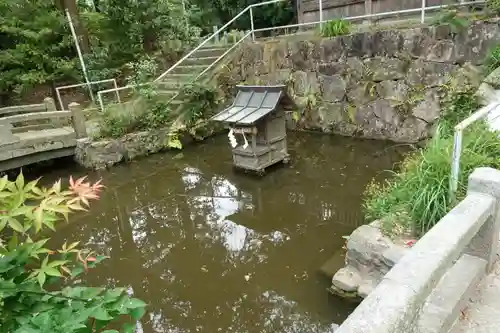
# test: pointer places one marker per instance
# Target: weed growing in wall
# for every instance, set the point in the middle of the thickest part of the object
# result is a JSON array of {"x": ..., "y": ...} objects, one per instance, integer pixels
[
  {"x": 335, "y": 28},
  {"x": 453, "y": 19}
]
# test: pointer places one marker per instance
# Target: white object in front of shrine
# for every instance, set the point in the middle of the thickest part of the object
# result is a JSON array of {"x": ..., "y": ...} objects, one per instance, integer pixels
[{"x": 232, "y": 139}]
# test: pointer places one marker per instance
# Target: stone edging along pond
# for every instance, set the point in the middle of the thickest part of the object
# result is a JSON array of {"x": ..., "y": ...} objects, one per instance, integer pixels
[
  {"x": 369, "y": 256},
  {"x": 104, "y": 153}
]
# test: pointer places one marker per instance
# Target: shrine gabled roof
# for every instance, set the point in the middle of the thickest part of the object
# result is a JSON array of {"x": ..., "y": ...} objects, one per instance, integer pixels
[{"x": 251, "y": 104}]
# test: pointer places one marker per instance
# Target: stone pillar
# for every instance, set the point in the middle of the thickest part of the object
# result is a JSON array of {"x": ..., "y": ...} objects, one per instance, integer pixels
[
  {"x": 486, "y": 242},
  {"x": 50, "y": 105},
  {"x": 78, "y": 120},
  {"x": 368, "y": 10}
]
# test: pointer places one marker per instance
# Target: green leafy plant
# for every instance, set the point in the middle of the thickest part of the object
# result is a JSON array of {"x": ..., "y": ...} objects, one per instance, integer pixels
[
  {"x": 31, "y": 274},
  {"x": 453, "y": 19},
  {"x": 335, "y": 28},
  {"x": 199, "y": 102},
  {"x": 307, "y": 103}
]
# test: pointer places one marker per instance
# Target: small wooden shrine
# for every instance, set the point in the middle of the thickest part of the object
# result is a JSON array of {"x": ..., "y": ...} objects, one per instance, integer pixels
[{"x": 257, "y": 119}]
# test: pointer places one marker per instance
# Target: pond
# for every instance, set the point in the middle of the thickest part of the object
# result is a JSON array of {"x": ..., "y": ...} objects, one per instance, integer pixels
[{"x": 213, "y": 250}]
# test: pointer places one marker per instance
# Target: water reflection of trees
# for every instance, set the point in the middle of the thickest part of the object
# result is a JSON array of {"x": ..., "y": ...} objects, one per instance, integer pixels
[{"x": 174, "y": 240}]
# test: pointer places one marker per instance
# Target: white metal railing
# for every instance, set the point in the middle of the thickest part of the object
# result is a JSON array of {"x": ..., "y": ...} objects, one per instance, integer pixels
[
  {"x": 423, "y": 10},
  {"x": 457, "y": 142},
  {"x": 88, "y": 85}
]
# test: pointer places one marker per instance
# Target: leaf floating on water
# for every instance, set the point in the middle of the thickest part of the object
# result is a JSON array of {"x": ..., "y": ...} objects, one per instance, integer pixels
[{"x": 178, "y": 156}]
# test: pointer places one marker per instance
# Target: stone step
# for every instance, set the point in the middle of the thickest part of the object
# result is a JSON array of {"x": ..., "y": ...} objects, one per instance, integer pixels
[
  {"x": 169, "y": 85},
  {"x": 451, "y": 295},
  {"x": 200, "y": 61},
  {"x": 181, "y": 77},
  {"x": 209, "y": 52},
  {"x": 189, "y": 69},
  {"x": 166, "y": 92}
]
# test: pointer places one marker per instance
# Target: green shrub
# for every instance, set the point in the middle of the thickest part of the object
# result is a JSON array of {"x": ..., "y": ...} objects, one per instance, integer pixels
[
  {"x": 335, "y": 28},
  {"x": 199, "y": 101},
  {"x": 113, "y": 124},
  {"x": 417, "y": 197},
  {"x": 31, "y": 275}
]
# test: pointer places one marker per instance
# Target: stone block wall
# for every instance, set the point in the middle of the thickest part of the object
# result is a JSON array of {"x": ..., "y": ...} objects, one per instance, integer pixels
[{"x": 373, "y": 84}]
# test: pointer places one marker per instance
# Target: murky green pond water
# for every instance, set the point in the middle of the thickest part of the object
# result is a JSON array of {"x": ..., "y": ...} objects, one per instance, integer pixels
[{"x": 211, "y": 250}]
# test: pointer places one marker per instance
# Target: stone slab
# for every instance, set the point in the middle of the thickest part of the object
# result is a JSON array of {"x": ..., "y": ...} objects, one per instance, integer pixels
[
  {"x": 481, "y": 314},
  {"x": 444, "y": 304},
  {"x": 332, "y": 265}
]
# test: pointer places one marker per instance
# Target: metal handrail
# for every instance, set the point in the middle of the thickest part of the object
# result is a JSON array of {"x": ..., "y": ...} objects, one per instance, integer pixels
[
  {"x": 457, "y": 144},
  {"x": 88, "y": 84},
  {"x": 422, "y": 9}
]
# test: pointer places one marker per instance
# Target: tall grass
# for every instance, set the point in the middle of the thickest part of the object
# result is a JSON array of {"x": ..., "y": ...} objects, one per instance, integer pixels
[
  {"x": 417, "y": 197},
  {"x": 335, "y": 28}
]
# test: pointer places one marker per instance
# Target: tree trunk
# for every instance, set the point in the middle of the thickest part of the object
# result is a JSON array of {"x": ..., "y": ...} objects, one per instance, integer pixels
[
  {"x": 80, "y": 29},
  {"x": 149, "y": 41}
]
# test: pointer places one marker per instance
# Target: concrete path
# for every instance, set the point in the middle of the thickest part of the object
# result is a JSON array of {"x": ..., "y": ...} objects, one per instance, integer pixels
[{"x": 482, "y": 315}]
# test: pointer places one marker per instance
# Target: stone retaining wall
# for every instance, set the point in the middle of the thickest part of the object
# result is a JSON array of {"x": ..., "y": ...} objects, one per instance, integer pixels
[{"x": 375, "y": 84}]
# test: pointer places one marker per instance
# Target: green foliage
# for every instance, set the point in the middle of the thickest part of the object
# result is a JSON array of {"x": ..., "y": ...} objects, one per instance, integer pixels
[
  {"x": 493, "y": 6},
  {"x": 198, "y": 102},
  {"x": 31, "y": 274},
  {"x": 206, "y": 14},
  {"x": 35, "y": 45},
  {"x": 453, "y": 19},
  {"x": 335, "y": 28},
  {"x": 492, "y": 60},
  {"x": 124, "y": 31},
  {"x": 417, "y": 197}
]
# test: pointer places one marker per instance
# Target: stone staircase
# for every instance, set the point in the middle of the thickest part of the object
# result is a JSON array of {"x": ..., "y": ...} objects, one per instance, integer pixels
[{"x": 188, "y": 70}]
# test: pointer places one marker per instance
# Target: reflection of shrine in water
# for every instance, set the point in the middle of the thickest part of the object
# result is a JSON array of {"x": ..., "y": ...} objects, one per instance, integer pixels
[{"x": 211, "y": 250}]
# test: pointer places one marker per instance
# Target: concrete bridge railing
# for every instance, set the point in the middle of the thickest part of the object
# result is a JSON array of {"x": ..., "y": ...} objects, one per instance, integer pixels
[
  {"x": 430, "y": 285},
  {"x": 38, "y": 132}
]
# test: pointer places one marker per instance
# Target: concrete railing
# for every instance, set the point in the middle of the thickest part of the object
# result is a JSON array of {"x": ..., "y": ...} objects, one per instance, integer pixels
[
  {"x": 428, "y": 287},
  {"x": 47, "y": 105},
  {"x": 23, "y": 118}
]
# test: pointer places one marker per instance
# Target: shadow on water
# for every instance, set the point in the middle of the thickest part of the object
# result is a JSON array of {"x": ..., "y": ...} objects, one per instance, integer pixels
[{"x": 211, "y": 250}]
